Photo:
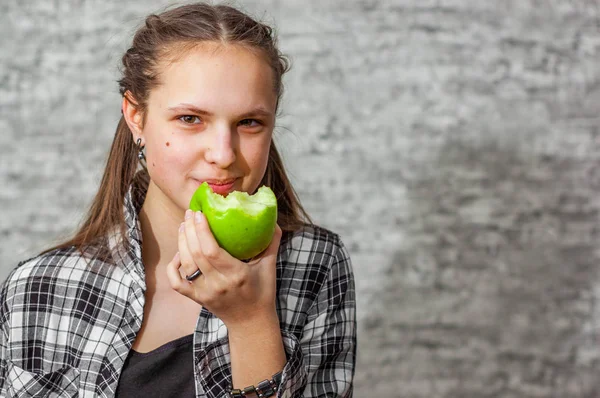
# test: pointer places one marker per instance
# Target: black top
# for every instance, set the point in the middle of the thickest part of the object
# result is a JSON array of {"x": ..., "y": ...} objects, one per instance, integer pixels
[{"x": 167, "y": 371}]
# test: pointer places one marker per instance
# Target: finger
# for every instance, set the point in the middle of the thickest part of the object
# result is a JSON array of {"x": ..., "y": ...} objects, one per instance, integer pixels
[
  {"x": 175, "y": 280},
  {"x": 213, "y": 253},
  {"x": 188, "y": 265},
  {"x": 180, "y": 284},
  {"x": 273, "y": 249},
  {"x": 194, "y": 245}
]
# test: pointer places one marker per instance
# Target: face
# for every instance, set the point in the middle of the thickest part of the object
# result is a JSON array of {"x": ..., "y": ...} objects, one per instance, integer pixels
[{"x": 211, "y": 119}]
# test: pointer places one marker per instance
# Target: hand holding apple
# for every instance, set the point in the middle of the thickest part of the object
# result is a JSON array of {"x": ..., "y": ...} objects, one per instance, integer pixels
[{"x": 237, "y": 292}]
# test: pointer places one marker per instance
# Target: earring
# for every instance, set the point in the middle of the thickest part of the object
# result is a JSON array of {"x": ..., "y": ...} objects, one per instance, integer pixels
[{"x": 140, "y": 149}]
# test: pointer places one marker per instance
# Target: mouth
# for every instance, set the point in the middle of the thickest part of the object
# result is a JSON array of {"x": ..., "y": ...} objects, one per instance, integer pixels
[{"x": 222, "y": 187}]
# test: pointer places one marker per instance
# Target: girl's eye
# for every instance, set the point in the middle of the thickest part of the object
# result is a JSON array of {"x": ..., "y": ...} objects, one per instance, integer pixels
[
  {"x": 189, "y": 119},
  {"x": 248, "y": 123}
]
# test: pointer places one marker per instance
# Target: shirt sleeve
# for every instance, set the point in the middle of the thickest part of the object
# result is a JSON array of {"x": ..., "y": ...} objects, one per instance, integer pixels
[
  {"x": 322, "y": 362},
  {"x": 3, "y": 342}
]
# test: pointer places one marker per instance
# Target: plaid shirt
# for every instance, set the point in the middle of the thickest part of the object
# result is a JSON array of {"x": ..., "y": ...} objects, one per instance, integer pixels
[{"x": 67, "y": 324}]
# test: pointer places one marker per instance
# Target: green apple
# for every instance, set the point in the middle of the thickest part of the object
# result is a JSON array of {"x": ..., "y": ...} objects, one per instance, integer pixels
[{"x": 242, "y": 224}]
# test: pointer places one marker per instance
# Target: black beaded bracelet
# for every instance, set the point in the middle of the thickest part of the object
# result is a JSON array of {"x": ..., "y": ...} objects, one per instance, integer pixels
[{"x": 264, "y": 389}]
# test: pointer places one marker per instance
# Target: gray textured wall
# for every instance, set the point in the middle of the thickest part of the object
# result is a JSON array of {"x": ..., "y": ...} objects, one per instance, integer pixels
[{"x": 453, "y": 144}]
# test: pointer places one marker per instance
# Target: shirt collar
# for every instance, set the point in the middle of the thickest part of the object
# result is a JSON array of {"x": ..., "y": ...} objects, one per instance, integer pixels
[{"x": 131, "y": 260}]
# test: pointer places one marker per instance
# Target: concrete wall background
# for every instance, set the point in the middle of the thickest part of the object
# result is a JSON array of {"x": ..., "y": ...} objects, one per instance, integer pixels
[{"x": 454, "y": 144}]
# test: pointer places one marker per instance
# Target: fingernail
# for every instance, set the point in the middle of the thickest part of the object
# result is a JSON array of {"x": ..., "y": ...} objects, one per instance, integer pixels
[
  {"x": 198, "y": 217},
  {"x": 181, "y": 227},
  {"x": 188, "y": 214}
]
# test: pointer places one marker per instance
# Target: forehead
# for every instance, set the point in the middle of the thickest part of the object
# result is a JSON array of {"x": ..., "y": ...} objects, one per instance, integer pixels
[{"x": 217, "y": 74}]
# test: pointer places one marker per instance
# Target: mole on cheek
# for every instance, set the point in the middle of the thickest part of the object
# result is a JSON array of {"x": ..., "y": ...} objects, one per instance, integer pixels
[
  {"x": 153, "y": 164},
  {"x": 168, "y": 143}
]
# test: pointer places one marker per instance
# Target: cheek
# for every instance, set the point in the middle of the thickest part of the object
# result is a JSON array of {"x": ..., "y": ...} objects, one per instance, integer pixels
[
  {"x": 258, "y": 157},
  {"x": 167, "y": 158},
  {"x": 264, "y": 158}
]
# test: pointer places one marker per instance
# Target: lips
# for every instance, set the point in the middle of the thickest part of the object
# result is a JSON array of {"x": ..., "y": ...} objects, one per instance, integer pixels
[{"x": 222, "y": 187}]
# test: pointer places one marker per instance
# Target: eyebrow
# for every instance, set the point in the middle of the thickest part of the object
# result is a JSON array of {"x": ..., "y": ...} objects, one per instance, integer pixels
[{"x": 258, "y": 111}]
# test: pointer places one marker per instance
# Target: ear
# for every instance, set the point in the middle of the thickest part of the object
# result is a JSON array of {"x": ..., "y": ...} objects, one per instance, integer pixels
[{"x": 133, "y": 116}]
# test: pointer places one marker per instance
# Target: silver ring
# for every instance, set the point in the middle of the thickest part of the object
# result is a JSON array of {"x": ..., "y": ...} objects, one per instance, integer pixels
[{"x": 196, "y": 274}]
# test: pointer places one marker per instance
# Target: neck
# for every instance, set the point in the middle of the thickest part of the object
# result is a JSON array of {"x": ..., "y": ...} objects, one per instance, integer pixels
[{"x": 160, "y": 221}]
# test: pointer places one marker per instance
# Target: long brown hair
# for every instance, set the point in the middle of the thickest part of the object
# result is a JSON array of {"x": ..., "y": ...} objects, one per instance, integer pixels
[{"x": 165, "y": 37}]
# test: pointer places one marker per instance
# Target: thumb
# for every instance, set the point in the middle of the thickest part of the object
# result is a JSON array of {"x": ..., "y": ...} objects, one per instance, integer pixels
[{"x": 273, "y": 248}]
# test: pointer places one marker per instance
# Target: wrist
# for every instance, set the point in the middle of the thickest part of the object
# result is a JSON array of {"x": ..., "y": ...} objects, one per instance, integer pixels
[
  {"x": 256, "y": 348},
  {"x": 266, "y": 388},
  {"x": 254, "y": 322}
]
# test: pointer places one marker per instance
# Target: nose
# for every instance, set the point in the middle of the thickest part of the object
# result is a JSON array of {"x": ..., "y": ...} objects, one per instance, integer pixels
[{"x": 221, "y": 150}]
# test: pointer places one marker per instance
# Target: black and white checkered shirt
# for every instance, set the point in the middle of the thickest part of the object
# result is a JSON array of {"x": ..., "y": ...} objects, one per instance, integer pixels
[{"x": 68, "y": 323}]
